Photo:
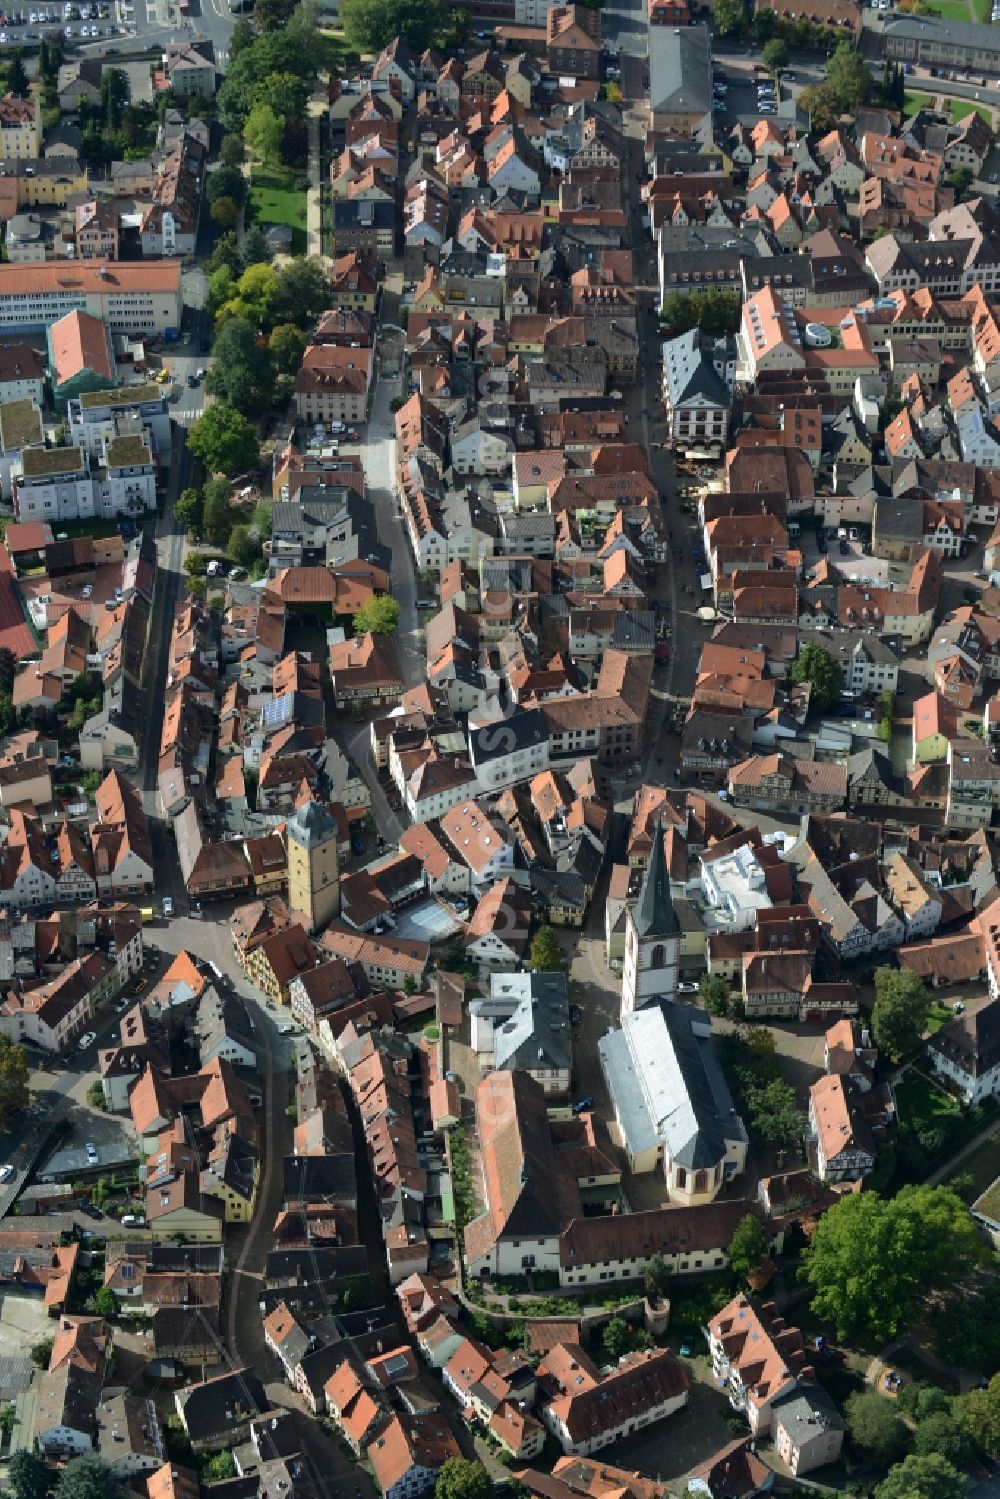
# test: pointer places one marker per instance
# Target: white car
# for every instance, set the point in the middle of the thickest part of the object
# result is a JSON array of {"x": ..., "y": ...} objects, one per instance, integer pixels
[
  {"x": 6, "y": 1172},
  {"x": 168, "y": 905},
  {"x": 91, "y": 1150},
  {"x": 87, "y": 1039},
  {"x": 687, "y": 988}
]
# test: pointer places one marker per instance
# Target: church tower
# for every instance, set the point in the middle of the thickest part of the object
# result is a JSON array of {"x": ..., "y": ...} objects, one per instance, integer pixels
[
  {"x": 313, "y": 866},
  {"x": 652, "y": 937}
]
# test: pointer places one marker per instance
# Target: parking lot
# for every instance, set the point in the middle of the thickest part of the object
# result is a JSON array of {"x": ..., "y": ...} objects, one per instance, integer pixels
[
  {"x": 76, "y": 22},
  {"x": 24, "y": 1321}
]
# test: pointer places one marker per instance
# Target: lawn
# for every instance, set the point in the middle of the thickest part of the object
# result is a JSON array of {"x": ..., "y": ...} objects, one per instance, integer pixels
[
  {"x": 938, "y": 1015},
  {"x": 950, "y": 10},
  {"x": 983, "y": 1165},
  {"x": 913, "y": 102},
  {"x": 983, "y": 11},
  {"x": 95, "y": 528},
  {"x": 959, "y": 108},
  {"x": 274, "y": 199},
  {"x": 920, "y": 1102}
]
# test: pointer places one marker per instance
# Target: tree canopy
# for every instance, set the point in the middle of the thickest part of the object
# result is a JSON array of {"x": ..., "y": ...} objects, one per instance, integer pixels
[
  {"x": 729, "y": 18},
  {"x": 13, "y": 1080},
  {"x": 714, "y": 990},
  {"x": 380, "y": 616},
  {"x": 875, "y": 1427},
  {"x": 979, "y": 1414},
  {"x": 713, "y": 311},
  {"x": 30, "y": 1476},
  {"x": 848, "y": 77},
  {"x": 224, "y": 440},
  {"x": 816, "y": 666},
  {"x": 88, "y": 1477},
  {"x": 371, "y": 24},
  {"x": 899, "y": 1015},
  {"x": 461, "y": 1478},
  {"x": 927, "y": 1476},
  {"x": 775, "y": 55},
  {"x": 748, "y": 1247},
  {"x": 546, "y": 956},
  {"x": 872, "y": 1259},
  {"x": 226, "y": 182},
  {"x": 242, "y": 372}
]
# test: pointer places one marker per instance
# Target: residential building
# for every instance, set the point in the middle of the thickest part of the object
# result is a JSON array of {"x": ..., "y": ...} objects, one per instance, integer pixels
[
  {"x": 966, "y": 1053},
  {"x": 139, "y": 297}
]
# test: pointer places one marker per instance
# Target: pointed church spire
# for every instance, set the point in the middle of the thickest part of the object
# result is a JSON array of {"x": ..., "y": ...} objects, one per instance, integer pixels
[{"x": 654, "y": 914}]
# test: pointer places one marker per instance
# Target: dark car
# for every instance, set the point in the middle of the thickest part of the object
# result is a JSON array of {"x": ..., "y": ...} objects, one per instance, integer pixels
[
  {"x": 89, "y": 1209},
  {"x": 357, "y": 847},
  {"x": 583, "y": 1104},
  {"x": 575, "y": 1015},
  {"x": 820, "y": 542},
  {"x": 845, "y": 550},
  {"x": 192, "y": 381}
]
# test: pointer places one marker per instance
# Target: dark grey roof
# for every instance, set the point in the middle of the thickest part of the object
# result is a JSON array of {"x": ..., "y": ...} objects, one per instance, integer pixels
[
  {"x": 220, "y": 1405},
  {"x": 633, "y": 630},
  {"x": 690, "y": 376},
  {"x": 531, "y": 1026},
  {"x": 319, "y": 1178},
  {"x": 972, "y": 1042},
  {"x": 934, "y": 31},
  {"x": 680, "y": 78},
  {"x": 654, "y": 914},
  {"x": 522, "y": 729}
]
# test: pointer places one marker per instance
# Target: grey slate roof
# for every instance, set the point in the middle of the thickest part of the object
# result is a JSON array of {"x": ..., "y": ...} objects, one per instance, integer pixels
[
  {"x": 667, "y": 1084},
  {"x": 690, "y": 376},
  {"x": 680, "y": 80},
  {"x": 654, "y": 914},
  {"x": 536, "y": 1035}
]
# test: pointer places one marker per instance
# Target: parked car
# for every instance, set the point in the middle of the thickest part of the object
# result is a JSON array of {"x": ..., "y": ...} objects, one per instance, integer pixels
[
  {"x": 583, "y": 1104},
  {"x": 91, "y": 1150},
  {"x": 6, "y": 1172},
  {"x": 87, "y": 1039},
  {"x": 168, "y": 905},
  {"x": 687, "y": 987},
  {"x": 575, "y": 1015}
]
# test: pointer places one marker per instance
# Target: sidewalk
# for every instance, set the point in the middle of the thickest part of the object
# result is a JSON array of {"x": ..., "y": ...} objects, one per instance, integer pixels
[{"x": 314, "y": 193}]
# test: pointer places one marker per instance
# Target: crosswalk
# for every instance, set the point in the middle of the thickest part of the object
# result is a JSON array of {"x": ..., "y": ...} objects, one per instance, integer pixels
[{"x": 187, "y": 416}]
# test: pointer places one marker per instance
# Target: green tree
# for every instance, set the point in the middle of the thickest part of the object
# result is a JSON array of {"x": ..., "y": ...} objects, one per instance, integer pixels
[
  {"x": 88, "y": 1477},
  {"x": 380, "y": 615},
  {"x": 774, "y": 1116},
  {"x": 902, "y": 1006},
  {"x": 218, "y": 518},
  {"x": 115, "y": 94},
  {"x": 244, "y": 547},
  {"x": 960, "y": 179},
  {"x": 225, "y": 212},
  {"x": 713, "y": 311},
  {"x": 242, "y": 372},
  {"x": 871, "y": 1259},
  {"x": 194, "y": 565},
  {"x": 849, "y": 78},
  {"x": 285, "y": 93},
  {"x": 219, "y": 1466},
  {"x": 241, "y": 37},
  {"x": 875, "y": 1428},
  {"x": 95, "y": 1095},
  {"x": 8, "y": 1419},
  {"x": 225, "y": 256},
  {"x": 8, "y": 715},
  {"x": 461, "y": 1478},
  {"x": 370, "y": 24},
  {"x": 13, "y": 1080},
  {"x": 715, "y": 992},
  {"x": 729, "y": 18},
  {"x": 262, "y": 134},
  {"x": 287, "y": 345},
  {"x": 760, "y": 1040},
  {"x": 226, "y": 182},
  {"x": 232, "y": 152},
  {"x": 546, "y": 956},
  {"x": 617, "y": 1337},
  {"x": 263, "y": 517},
  {"x": 224, "y": 440},
  {"x": 106, "y": 1303},
  {"x": 302, "y": 292},
  {"x": 255, "y": 251},
  {"x": 979, "y": 1415},
  {"x": 748, "y": 1247},
  {"x": 8, "y": 668},
  {"x": 922, "y": 1477},
  {"x": 187, "y": 510},
  {"x": 17, "y": 76},
  {"x": 29, "y": 1475},
  {"x": 816, "y": 666},
  {"x": 820, "y": 103},
  {"x": 942, "y": 1433},
  {"x": 656, "y": 1280},
  {"x": 775, "y": 55},
  {"x": 765, "y": 24}
]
